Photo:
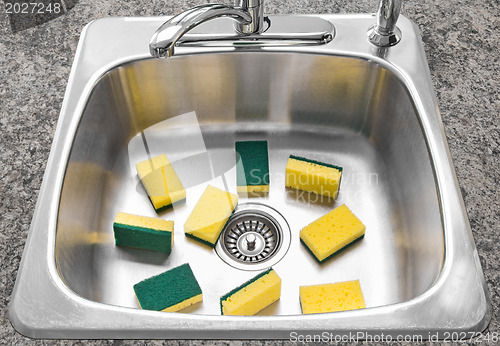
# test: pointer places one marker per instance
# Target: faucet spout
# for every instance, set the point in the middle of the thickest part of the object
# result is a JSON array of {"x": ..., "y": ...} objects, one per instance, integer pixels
[
  {"x": 251, "y": 29},
  {"x": 164, "y": 39}
]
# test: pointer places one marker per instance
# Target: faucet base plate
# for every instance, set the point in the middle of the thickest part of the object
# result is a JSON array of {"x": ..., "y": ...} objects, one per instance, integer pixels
[{"x": 278, "y": 31}]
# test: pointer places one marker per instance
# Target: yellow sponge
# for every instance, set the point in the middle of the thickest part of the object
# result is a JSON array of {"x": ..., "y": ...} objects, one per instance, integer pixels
[
  {"x": 341, "y": 296},
  {"x": 210, "y": 215},
  {"x": 160, "y": 181},
  {"x": 252, "y": 296},
  {"x": 332, "y": 232},
  {"x": 313, "y": 176}
]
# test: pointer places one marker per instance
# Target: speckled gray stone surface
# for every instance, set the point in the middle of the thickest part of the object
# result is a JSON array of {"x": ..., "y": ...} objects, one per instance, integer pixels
[{"x": 461, "y": 40}]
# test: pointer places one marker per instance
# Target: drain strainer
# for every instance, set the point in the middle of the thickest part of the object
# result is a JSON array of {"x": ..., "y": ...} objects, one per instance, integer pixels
[
  {"x": 250, "y": 237},
  {"x": 255, "y": 237}
]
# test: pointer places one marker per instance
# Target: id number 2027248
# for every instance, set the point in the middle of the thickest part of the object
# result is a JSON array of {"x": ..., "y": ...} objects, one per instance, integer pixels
[{"x": 32, "y": 7}]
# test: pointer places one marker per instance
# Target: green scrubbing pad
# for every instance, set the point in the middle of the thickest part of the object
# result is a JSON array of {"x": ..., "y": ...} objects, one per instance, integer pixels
[
  {"x": 143, "y": 232},
  {"x": 171, "y": 291},
  {"x": 253, "y": 168}
]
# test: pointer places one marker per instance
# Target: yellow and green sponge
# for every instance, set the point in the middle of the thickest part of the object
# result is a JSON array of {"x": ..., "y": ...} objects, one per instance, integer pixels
[
  {"x": 313, "y": 176},
  {"x": 341, "y": 296},
  {"x": 332, "y": 232},
  {"x": 170, "y": 291},
  {"x": 160, "y": 181},
  {"x": 144, "y": 232},
  {"x": 210, "y": 215},
  {"x": 252, "y": 296},
  {"x": 252, "y": 168}
]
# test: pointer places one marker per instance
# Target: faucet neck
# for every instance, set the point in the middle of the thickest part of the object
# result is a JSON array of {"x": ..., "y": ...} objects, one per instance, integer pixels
[
  {"x": 385, "y": 33},
  {"x": 256, "y": 10}
]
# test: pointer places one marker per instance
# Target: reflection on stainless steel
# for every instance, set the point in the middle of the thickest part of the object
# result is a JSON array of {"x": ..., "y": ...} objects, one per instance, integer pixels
[
  {"x": 340, "y": 103},
  {"x": 358, "y": 115},
  {"x": 385, "y": 33},
  {"x": 251, "y": 28}
]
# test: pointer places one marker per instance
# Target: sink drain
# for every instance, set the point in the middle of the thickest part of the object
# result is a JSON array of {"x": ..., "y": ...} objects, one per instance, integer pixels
[
  {"x": 255, "y": 237},
  {"x": 251, "y": 237}
]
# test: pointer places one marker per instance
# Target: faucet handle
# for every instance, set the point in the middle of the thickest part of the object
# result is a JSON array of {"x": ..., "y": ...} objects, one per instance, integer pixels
[
  {"x": 385, "y": 33},
  {"x": 256, "y": 10}
]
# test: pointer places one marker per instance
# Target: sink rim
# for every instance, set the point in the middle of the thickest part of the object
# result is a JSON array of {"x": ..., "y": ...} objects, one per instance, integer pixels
[{"x": 56, "y": 299}]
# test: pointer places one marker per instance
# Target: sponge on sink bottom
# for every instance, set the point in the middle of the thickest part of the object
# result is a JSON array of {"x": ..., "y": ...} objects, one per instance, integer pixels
[
  {"x": 252, "y": 296},
  {"x": 148, "y": 233},
  {"x": 170, "y": 291},
  {"x": 161, "y": 182},
  {"x": 313, "y": 176},
  {"x": 340, "y": 296},
  {"x": 252, "y": 167},
  {"x": 332, "y": 232},
  {"x": 210, "y": 214}
]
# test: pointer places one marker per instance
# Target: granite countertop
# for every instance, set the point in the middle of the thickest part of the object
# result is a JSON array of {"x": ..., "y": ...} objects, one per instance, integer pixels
[{"x": 461, "y": 40}]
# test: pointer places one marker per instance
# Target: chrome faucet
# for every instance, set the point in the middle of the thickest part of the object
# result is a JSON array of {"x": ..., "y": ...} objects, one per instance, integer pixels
[
  {"x": 251, "y": 28},
  {"x": 385, "y": 33},
  {"x": 248, "y": 14}
]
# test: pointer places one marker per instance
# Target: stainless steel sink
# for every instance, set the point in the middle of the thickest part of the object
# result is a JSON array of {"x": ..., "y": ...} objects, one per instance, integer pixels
[{"x": 370, "y": 110}]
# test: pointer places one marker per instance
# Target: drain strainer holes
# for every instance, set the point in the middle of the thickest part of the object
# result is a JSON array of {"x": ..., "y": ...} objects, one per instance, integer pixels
[
  {"x": 250, "y": 237},
  {"x": 255, "y": 237}
]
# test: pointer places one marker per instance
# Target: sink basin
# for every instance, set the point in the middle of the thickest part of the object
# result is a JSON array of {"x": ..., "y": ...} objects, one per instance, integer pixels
[{"x": 371, "y": 111}]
